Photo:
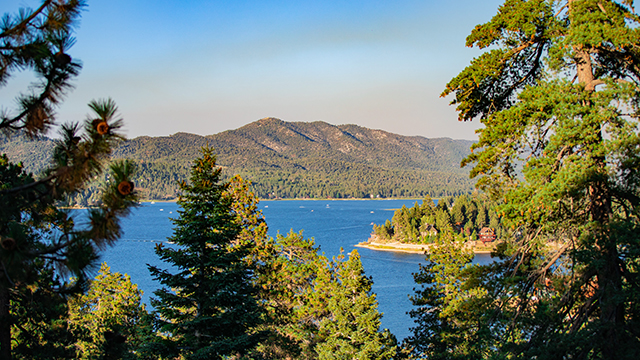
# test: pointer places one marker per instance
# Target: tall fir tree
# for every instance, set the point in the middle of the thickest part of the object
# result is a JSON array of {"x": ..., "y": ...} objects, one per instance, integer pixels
[
  {"x": 208, "y": 303},
  {"x": 41, "y": 244},
  {"x": 557, "y": 91}
]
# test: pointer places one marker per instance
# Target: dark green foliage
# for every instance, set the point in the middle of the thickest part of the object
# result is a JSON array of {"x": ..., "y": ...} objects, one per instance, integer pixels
[
  {"x": 41, "y": 245},
  {"x": 208, "y": 306},
  {"x": 557, "y": 91},
  {"x": 447, "y": 327},
  {"x": 37, "y": 236},
  {"x": 352, "y": 328},
  {"x": 39, "y": 315}
]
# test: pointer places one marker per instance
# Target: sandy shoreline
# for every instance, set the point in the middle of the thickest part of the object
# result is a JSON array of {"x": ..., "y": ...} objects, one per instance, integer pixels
[
  {"x": 394, "y": 246},
  {"x": 401, "y": 247}
]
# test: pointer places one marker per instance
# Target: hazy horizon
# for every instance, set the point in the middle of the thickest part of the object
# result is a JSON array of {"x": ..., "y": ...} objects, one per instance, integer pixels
[{"x": 204, "y": 67}]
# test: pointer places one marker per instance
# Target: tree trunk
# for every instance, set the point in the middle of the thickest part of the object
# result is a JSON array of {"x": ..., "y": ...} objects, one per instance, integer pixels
[
  {"x": 5, "y": 325},
  {"x": 608, "y": 274}
]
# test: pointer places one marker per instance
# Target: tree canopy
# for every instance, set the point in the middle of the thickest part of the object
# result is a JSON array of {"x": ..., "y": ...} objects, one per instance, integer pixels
[
  {"x": 209, "y": 304},
  {"x": 41, "y": 244},
  {"x": 557, "y": 91},
  {"x": 109, "y": 320}
]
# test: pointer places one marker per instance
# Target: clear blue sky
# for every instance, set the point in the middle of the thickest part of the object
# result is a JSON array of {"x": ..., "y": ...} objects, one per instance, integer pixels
[{"x": 207, "y": 66}]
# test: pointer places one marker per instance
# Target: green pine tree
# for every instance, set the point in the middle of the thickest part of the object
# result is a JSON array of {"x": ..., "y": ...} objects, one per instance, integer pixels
[
  {"x": 317, "y": 308},
  {"x": 352, "y": 328},
  {"x": 557, "y": 91},
  {"x": 291, "y": 264},
  {"x": 41, "y": 244},
  {"x": 110, "y": 320},
  {"x": 446, "y": 326},
  {"x": 208, "y": 304}
]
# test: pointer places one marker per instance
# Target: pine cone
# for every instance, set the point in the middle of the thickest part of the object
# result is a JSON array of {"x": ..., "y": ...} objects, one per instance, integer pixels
[
  {"x": 8, "y": 243},
  {"x": 61, "y": 59},
  {"x": 102, "y": 128},
  {"x": 125, "y": 188}
]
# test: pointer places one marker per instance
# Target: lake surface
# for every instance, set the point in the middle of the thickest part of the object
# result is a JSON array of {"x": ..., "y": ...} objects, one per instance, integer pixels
[{"x": 334, "y": 224}]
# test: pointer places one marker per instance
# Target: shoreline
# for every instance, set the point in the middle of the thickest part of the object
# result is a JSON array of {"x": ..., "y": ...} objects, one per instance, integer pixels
[
  {"x": 260, "y": 200},
  {"x": 405, "y": 248},
  {"x": 344, "y": 199}
]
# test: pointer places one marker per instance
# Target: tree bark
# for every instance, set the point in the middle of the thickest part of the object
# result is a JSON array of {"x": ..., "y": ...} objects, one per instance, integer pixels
[
  {"x": 608, "y": 275},
  {"x": 5, "y": 324}
]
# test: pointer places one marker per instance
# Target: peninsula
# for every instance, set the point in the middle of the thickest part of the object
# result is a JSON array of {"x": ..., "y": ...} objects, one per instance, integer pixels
[{"x": 471, "y": 218}]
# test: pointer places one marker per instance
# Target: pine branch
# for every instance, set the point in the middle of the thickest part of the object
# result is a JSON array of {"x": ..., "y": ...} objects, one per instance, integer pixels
[{"x": 25, "y": 22}]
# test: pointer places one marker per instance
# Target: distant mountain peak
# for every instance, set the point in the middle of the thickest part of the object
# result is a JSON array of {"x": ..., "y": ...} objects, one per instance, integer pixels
[{"x": 269, "y": 120}]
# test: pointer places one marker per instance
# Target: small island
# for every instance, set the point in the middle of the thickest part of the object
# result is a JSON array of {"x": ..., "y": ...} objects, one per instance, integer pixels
[{"x": 415, "y": 229}]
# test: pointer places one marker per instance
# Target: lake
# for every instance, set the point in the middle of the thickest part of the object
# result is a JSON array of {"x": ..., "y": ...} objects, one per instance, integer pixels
[{"x": 334, "y": 224}]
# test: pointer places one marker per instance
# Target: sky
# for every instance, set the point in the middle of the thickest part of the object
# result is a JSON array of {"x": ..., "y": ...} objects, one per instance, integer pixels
[{"x": 204, "y": 67}]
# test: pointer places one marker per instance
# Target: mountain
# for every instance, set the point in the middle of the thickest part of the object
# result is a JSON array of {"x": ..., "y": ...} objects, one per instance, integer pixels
[
  {"x": 298, "y": 159},
  {"x": 34, "y": 154}
]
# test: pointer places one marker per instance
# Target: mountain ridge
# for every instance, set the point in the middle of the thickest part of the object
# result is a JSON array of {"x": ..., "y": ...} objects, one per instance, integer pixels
[{"x": 295, "y": 159}]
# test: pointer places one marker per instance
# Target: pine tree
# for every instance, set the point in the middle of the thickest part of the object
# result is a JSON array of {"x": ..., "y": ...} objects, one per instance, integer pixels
[
  {"x": 208, "y": 305},
  {"x": 352, "y": 328},
  {"x": 38, "y": 319},
  {"x": 446, "y": 328},
  {"x": 317, "y": 308},
  {"x": 291, "y": 264},
  {"x": 557, "y": 91},
  {"x": 110, "y": 318},
  {"x": 40, "y": 243}
]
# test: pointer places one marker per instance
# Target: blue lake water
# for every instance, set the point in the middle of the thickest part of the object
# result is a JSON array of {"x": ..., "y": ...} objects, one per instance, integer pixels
[{"x": 334, "y": 224}]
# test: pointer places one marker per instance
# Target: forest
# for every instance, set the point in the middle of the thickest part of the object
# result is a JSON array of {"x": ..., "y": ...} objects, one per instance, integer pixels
[
  {"x": 557, "y": 171},
  {"x": 465, "y": 215},
  {"x": 380, "y": 164}
]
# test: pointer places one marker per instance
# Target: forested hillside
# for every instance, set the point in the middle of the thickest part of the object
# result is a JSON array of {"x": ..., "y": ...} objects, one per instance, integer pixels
[{"x": 291, "y": 160}]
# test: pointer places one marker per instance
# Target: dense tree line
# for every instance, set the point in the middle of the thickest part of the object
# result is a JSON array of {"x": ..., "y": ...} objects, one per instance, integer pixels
[
  {"x": 423, "y": 223},
  {"x": 558, "y": 159},
  {"x": 356, "y": 183},
  {"x": 157, "y": 180}
]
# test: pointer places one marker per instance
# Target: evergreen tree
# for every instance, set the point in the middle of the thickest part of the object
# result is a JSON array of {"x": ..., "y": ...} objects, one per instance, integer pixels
[
  {"x": 39, "y": 316},
  {"x": 110, "y": 320},
  {"x": 558, "y": 95},
  {"x": 317, "y": 308},
  {"x": 445, "y": 326},
  {"x": 352, "y": 328},
  {"x": 41, "y": 244},
  {"x": 443, "y": 219},
  {"x": 286, "y": 282},
  {"x": 208, "y": 305}
]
